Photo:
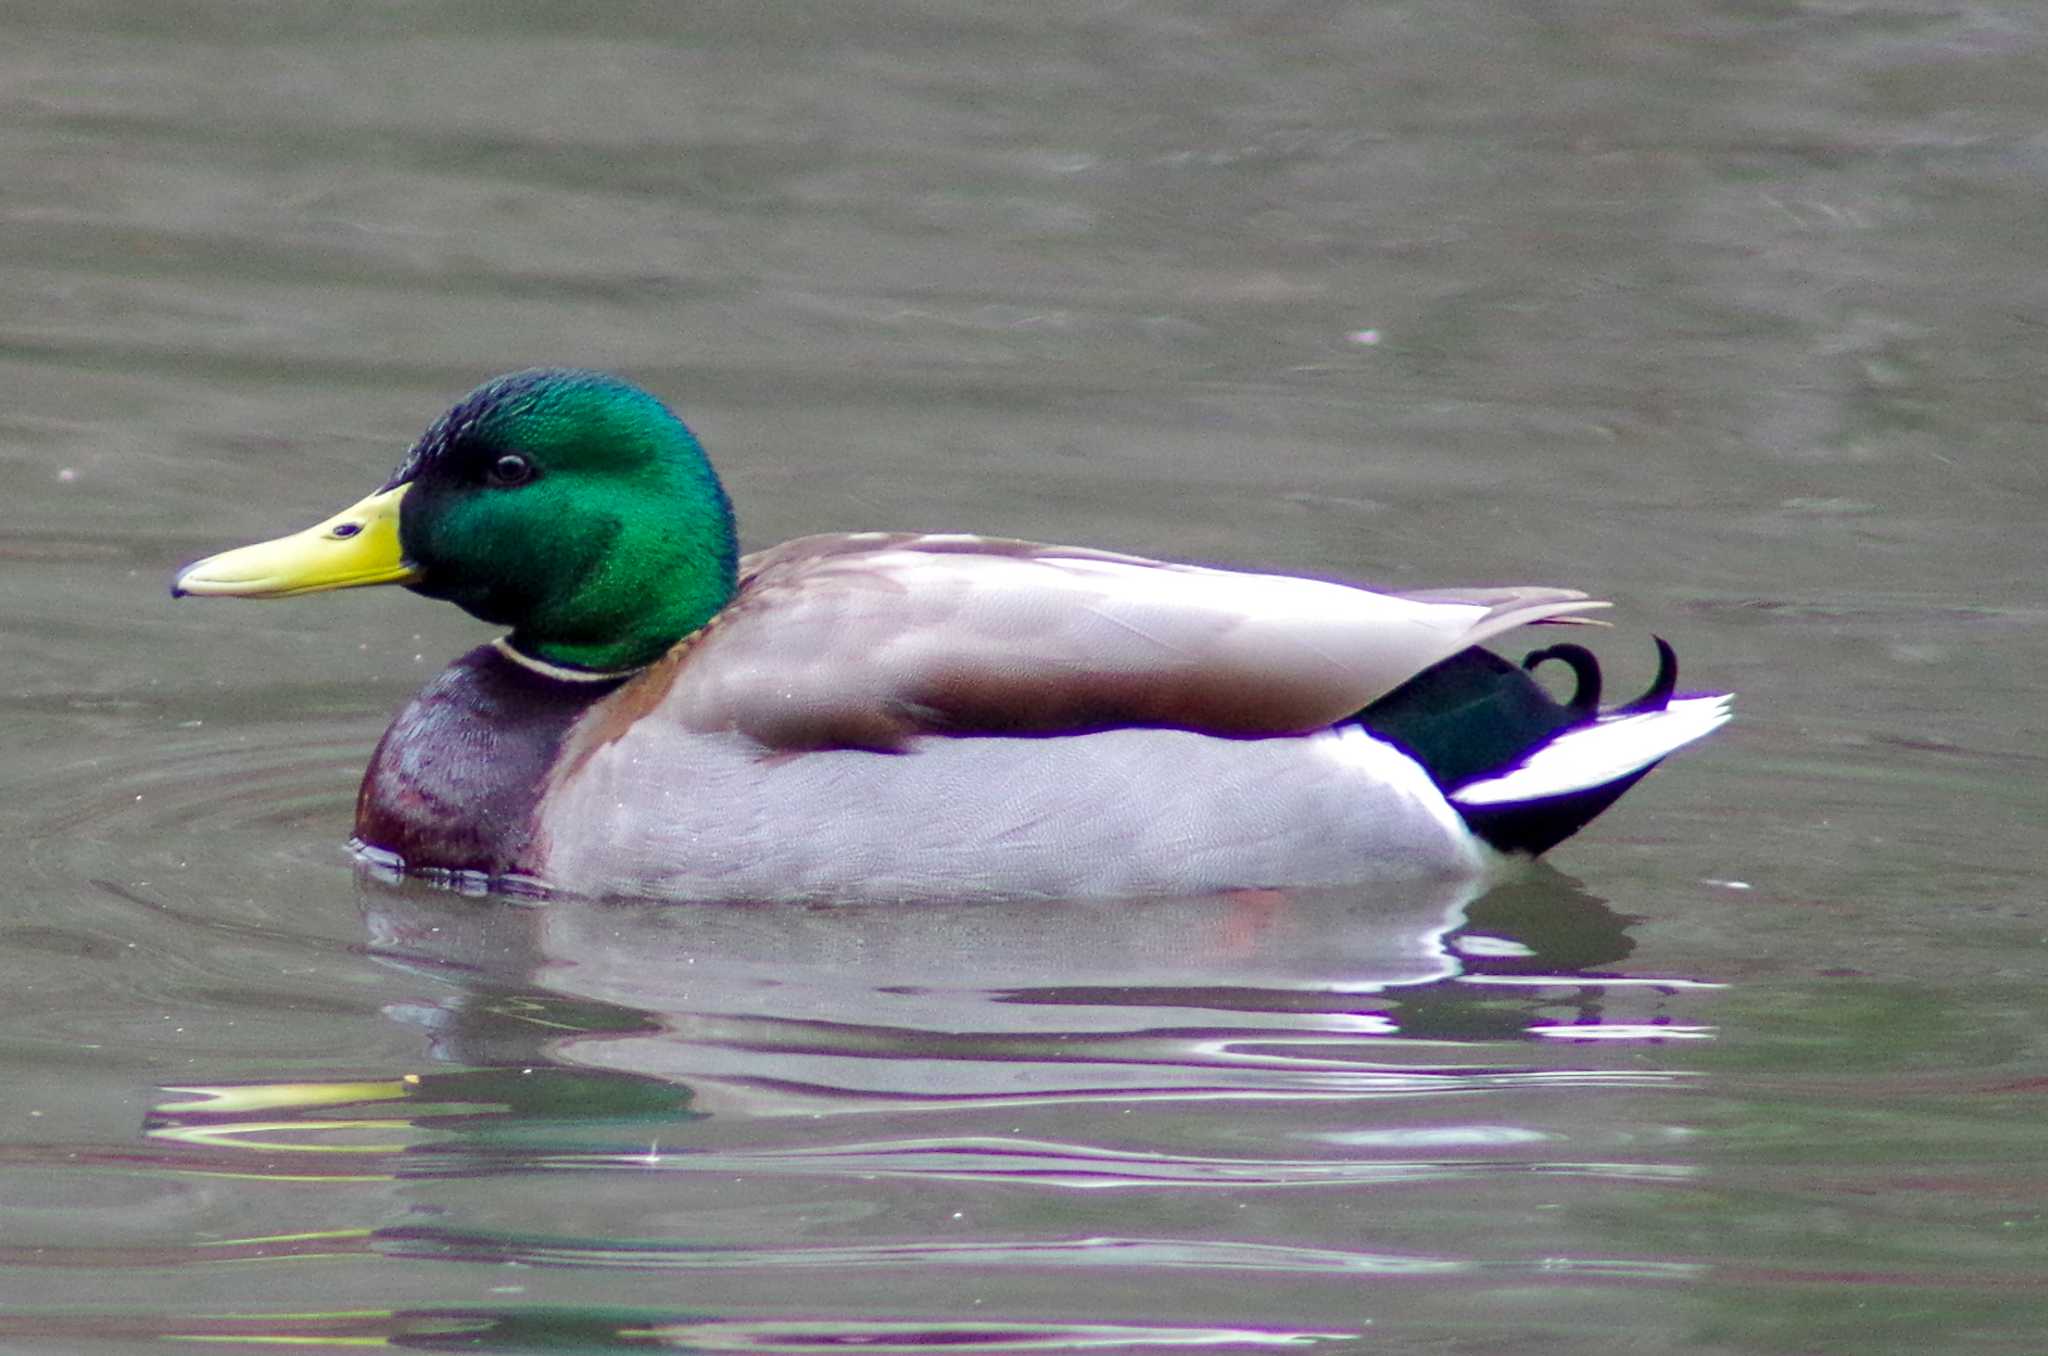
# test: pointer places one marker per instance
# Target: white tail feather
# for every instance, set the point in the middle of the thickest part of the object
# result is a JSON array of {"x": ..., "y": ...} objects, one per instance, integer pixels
[{"x": 1593, "y": 755}]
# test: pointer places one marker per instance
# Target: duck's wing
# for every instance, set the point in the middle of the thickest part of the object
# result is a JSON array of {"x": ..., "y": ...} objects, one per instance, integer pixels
[{"x": 869, "y": 641}]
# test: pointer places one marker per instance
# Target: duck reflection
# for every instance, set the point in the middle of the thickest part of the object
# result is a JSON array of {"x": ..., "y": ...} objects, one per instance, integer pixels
[
  {"x": 778, "y": 1009},
  {"x": 593, "y": 1032}
]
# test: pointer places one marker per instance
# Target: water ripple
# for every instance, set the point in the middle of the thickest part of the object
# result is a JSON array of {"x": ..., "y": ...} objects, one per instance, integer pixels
[
  {"x": 281, "y": 796},
  {"x": 493, "y": 1123},
  {"x": 1085, "y": 1166},
  {"x": 596, "y": 1328}
]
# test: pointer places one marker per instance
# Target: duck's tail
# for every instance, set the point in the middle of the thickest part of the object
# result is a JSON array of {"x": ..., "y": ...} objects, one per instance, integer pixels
[{"x": 1524, "y": 770}]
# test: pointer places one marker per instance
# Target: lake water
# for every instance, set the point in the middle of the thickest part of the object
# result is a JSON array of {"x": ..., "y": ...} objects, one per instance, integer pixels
[{"x": 1734, "y": 313}]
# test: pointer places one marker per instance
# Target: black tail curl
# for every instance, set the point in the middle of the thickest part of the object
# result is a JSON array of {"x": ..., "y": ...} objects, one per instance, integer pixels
[
  {"x": 1661, "y": 687},
  {"x": 1585, "y": 698}
]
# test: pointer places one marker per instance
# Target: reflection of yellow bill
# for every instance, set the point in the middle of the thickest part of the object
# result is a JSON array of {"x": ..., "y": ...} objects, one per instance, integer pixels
[
  {"x": 235, "y": 1098},
  {"x": 228, "y": 1117},
  {"x": 355, "y": 548},
  {"x": 284, "y": 1137}
]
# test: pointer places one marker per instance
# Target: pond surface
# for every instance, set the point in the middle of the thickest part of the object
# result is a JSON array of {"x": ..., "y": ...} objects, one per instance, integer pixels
[{"x": 1734, "y": 313}]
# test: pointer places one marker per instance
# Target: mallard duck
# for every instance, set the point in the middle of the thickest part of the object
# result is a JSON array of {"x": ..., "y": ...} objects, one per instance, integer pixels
[{"x": 882, "y": 715}]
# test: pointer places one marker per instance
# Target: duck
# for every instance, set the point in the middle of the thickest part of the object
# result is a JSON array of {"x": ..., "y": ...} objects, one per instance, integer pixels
[{"x": 900, "y": 716}]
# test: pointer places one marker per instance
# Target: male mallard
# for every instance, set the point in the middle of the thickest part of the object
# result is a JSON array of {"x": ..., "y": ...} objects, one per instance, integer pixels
[{"x": 880, "y": 715}]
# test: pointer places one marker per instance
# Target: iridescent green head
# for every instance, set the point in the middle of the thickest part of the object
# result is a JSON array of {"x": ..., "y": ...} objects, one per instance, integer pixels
[
  {"x": 575, "y": 509},
  {"x": 570, "y": 506}
]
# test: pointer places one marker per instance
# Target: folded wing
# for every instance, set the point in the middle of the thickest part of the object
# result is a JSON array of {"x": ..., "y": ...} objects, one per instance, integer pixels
[{"x": 870, "y": 641}]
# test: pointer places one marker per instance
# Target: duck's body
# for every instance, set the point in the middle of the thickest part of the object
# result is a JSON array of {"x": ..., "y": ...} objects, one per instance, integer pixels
[
  {"x": 674, "y": 812},
  {"x": 893, "y": 716}
]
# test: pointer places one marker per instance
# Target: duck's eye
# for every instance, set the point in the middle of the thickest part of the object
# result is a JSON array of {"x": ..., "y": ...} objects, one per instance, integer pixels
[{"x": 508, "y": 470}]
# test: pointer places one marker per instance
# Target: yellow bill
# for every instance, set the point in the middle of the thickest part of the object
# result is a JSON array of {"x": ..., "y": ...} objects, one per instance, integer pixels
[{"x": 355, "y": 548}]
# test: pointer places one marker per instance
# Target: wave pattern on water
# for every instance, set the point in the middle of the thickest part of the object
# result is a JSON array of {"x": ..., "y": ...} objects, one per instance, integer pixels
[
  {"x": 539, "y": 1328},
  {"x": 144, "y": 814}
]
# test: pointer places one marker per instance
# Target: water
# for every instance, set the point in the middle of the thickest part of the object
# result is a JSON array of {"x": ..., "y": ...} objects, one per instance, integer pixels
[{"x": 1731, "y": 313}]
